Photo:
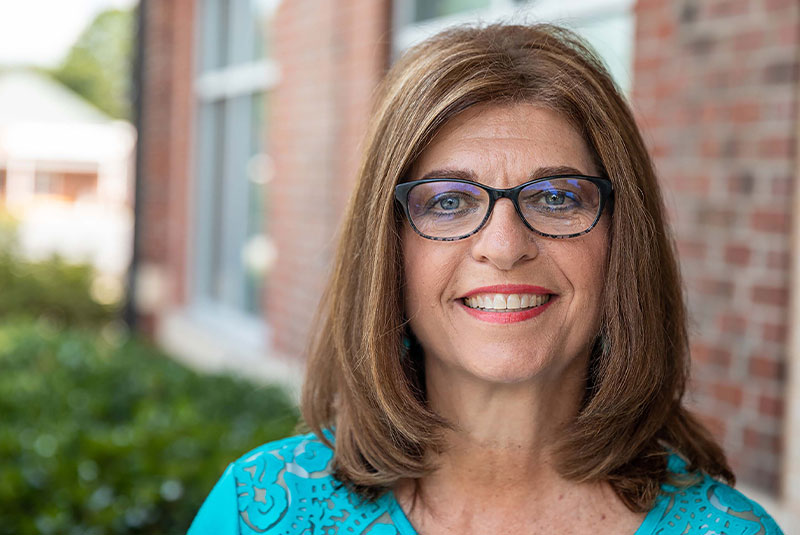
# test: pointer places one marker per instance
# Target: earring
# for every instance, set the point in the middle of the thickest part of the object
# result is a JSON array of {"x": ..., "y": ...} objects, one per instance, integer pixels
[
  {"x": 605, "y": 345},
  {"x": 406, "y": 343}
]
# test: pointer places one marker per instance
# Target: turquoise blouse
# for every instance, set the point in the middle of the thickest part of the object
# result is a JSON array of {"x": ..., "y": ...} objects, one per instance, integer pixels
[{"x": 286, "y": 487}]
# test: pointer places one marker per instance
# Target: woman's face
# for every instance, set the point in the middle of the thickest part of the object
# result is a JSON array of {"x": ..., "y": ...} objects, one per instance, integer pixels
[{"x": 502, "y": 146}]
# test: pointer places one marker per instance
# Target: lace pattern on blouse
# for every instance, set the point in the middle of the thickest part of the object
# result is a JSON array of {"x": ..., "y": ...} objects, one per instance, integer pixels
[
  {"x": 289, "y": 490},
  {"x": 709, "y": 508}
]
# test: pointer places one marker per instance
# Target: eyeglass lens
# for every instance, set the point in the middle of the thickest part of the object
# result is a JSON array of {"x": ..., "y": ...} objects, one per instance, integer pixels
[{"x": 558, "y": 207}]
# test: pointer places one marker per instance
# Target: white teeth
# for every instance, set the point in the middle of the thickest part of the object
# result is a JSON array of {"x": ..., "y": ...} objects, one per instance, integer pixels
[
  {"x": 499, "y": 302},
  {"x": 506, "y": 301}
]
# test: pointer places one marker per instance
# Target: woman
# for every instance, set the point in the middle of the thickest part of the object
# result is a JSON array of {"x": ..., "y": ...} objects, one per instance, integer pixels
[{"x": 502, "y": 346}]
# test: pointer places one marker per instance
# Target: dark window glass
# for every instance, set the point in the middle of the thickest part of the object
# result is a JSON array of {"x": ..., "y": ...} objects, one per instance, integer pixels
[{"x": 430, "y": 9}]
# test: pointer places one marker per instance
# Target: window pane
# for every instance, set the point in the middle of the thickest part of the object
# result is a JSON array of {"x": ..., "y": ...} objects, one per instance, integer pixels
[
  {"x": 215, "y": 23},
  {"x": 209, "y": 190},
  {"x": 258, "y": 250},
  {"x": 216, "y": 281},
  {"x": 261, "y": 16},
  {"x": 430, "y": 9},
  {"x": 248, "y": 21},
  {"x": 232, "y": 247}
]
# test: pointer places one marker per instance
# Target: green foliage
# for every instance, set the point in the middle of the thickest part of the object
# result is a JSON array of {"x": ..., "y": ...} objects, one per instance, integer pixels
[
  {"x": 53, "y": 289},
  {"x": 104, "y": 434},
  {"x": 99, "y": 65}
]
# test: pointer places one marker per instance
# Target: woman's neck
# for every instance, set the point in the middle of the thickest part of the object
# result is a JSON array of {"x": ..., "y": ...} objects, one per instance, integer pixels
[
  {"x": 498, "y": 464},
  {"x": 519, "y": 422}
]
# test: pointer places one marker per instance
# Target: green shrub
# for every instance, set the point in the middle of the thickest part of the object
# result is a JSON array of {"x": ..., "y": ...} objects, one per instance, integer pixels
[
  {"x": 102, "y": 433},
  {"x": 51, "y": 289}
]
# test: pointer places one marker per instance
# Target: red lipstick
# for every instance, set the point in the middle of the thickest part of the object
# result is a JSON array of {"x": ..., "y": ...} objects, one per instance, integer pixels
[{"x": 507, "y": 316}]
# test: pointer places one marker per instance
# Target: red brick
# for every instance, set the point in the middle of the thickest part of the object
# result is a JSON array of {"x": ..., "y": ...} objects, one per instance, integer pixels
[
  {"x": 765, "y": 367},
  {"x": 748, "y": 40},
  {"x": 770, "y": 406},
  {"x": 778, "y": 260},
  {"x": 782, "y": 187},
  {"x": 691, "y": 183},
  {"x": 769, "y": 220},
  {"x": 665, "y": 29},
  {"x": 726, "y": 8},
  {"x": 732, "y": 323},
  {"x": 780, "y": 5},
  {"x": 691, "y": 248},
  {"x": 717, "y": 216},
  {"x": 710, "y": 148},
  {"x": 770, "y": 295},
  {"x": 774, "y": 332},
  {"x": 737, "y": 254},
  {"x": 745, "y": 112},
  {"x": 757, "y": 439},
  {"x": 709, "y": 354},
  {"x": 776, "y": 147},
  {"x": 727, "y": 393},
  {"x": 714, "y": 287},
  {"x": 788, "y": 33}
]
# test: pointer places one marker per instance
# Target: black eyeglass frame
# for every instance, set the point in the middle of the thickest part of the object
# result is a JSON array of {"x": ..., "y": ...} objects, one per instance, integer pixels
[{"x": 401, "y": 192}]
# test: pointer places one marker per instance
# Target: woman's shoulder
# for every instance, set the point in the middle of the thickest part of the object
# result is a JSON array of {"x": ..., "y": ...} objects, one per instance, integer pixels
[
  {"x": 306, "y": 451},
  {"x": 705, "y": 506},
  {"x": 288, "y": 486}
]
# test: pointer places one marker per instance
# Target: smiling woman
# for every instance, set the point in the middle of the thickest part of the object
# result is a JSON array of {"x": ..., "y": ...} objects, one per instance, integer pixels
[
  {"x": 509, "y": 260},
  {"x": 502, "y": 346}
]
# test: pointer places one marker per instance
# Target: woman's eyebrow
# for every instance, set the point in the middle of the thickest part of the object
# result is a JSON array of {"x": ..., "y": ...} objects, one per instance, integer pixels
[
  {"x": 468, "y": 174},
  {"x": 542, "y": 172},
  {"x": 464, "y": 174}
]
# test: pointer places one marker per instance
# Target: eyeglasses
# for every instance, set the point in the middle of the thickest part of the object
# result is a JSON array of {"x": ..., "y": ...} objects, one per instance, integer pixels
[{"x": 450, "y": 209}]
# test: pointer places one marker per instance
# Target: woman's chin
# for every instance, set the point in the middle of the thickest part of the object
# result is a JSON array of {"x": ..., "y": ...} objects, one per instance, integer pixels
[{"x": 499, "y": 367}]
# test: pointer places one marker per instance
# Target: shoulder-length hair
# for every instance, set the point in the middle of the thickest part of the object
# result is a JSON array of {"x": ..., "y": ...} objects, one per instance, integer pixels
[{"x": 362, "y": 383}]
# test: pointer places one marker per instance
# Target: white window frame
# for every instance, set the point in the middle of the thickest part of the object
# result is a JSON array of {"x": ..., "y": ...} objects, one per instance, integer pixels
[
  {"x": 240, "y": 332},
  {"x": 576, "y": 14}
]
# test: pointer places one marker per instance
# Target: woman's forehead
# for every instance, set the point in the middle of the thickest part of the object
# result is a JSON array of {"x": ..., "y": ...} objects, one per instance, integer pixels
[{"x": 514, "y": 138}]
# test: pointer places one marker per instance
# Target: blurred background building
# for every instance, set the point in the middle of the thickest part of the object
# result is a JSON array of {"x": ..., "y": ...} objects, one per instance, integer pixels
[
  {"x": 252, "y": 111},
  {"x": 66, "y": 173}
]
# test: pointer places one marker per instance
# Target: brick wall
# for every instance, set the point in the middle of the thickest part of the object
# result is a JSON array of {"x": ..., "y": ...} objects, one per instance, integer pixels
[
  {"x": 331, "y": 56},
  {"x": 715, "y": 88},
  {"x": 165, "y": 138}
]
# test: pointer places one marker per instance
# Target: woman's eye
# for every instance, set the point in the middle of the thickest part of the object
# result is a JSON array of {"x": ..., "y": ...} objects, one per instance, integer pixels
[
  {"x": 555, "y": 198},
  {"x": 552, "y": 200},
  {"x": 448, "y": 203}
]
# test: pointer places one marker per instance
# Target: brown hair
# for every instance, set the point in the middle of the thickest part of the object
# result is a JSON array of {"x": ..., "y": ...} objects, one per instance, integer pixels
[{"x": 362, "y": 383}]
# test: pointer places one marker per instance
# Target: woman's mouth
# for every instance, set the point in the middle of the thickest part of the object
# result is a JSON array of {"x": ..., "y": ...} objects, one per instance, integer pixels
[
  {"x": 506, "y": 308},
  {"x": 495, "y": 302}
]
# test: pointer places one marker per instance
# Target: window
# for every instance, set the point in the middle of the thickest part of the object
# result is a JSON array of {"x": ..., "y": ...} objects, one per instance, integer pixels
[
  {"x": 431, "y": 9},
  {"x": 67, "y": 185},
  {"x": 232, "y": 248},
  {"x": 606, "y": 24}
]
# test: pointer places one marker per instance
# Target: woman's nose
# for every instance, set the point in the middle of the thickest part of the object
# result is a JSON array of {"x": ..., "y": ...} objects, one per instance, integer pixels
[{"x": 505, "y": 240}]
